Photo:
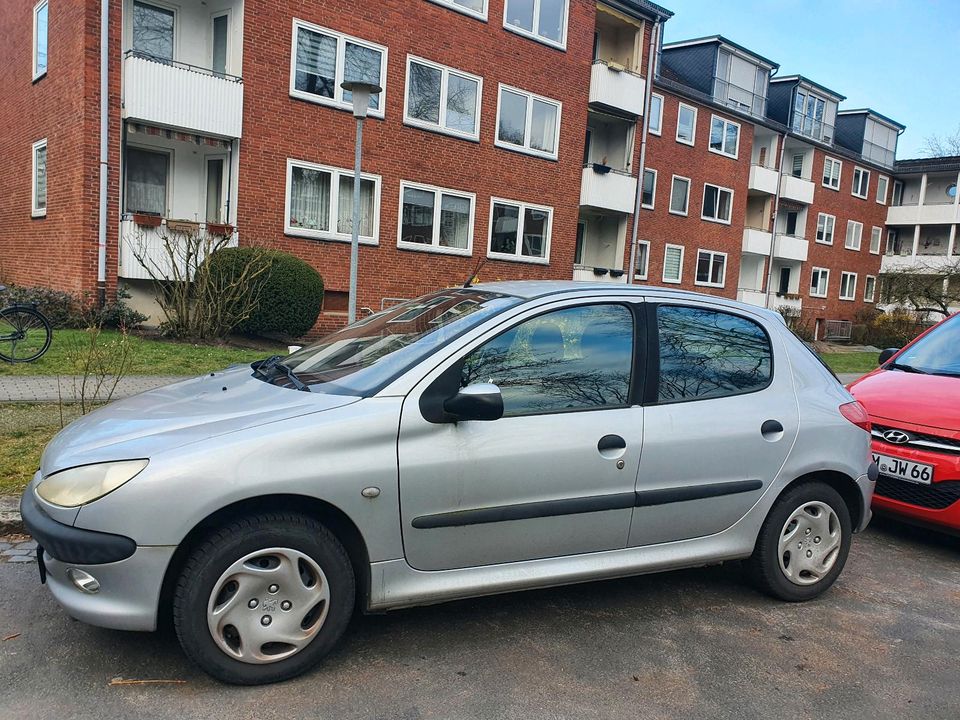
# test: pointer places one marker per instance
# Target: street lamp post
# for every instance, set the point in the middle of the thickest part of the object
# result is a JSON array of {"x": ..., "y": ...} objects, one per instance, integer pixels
[{"x": 361, "y": 102}]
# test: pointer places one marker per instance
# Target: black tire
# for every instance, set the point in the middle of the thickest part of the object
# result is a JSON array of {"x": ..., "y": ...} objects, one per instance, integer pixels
[
  {"x": 25, "y": 334},
  {"x": 764, "y": 566},
  {"x": 222, "y": 548}
]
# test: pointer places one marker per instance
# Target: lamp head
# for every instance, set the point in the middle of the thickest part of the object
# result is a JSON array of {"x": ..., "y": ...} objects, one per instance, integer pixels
[{"x": 361, "y": 95}]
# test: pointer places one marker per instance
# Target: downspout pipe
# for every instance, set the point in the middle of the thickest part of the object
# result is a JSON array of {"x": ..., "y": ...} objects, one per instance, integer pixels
[
  {"x": 773, "y": 217},
  {"x": 638, "y": 200},
  {"x": 104, "y": 133}
]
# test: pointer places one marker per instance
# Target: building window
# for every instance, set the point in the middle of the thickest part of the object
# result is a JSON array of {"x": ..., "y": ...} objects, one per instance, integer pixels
[
  {"x": 717, "y": 203},
  {"x": 711, "y": 268},
  {"x": 825, "y": 225},
  {"x": 819, "y": 282},
  {"x": 893, "y": 242},
  {"x": 542, "y": 20},
  {"x": 642, "y": 264},
  {"x": 38, "y": 194},
  {"x": 897, "y": 198},
  {"x": 672, "y": 263},
  {"x": 319, "y": 203},
  {"x": 437, "y": 219},
  {"x": 724, "y": 137},
  {"x": 679, "y": 195},
  {"x": 147, "y": 173},
  {"x": 322, "y": 59},
  {"x": 861, "y": 181},
  {"x": 655, "y": 121},
  {"x": 519, "y": 231},
  {"x": 686, "y": 124},
  {"x": 854, "y": 235},
  {"x": 831, "y": 173},
  {"x": 808, "y": 113},
  {"x": 869, "y": 288},
  {"x": 649, "y": 194},
  {"x": 848, "y": 285},
  {"x": 153, "y": 29},
  {"x": 883, "y": 183},
  {"x": 476, "y": 8},
  {"x": 527, "y": 122},
  {"x": 875, "y": 235},
  {"x": 40, "y": 13},
  {"x": 796, "y": 168},
  {"x": 441, "y": 98}
]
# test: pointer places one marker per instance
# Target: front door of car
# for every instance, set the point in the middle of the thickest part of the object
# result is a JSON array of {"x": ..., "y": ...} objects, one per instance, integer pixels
[
  {"x": 555, "y": 474},
  {"x": 721, "y": 417}
]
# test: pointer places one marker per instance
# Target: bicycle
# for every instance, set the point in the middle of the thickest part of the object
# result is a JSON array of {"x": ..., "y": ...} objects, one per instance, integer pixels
[{"x": 25, "y": 333}]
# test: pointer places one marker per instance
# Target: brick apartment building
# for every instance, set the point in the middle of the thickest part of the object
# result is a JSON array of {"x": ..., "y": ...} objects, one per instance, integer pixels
[{"x": 508, "y": 131}]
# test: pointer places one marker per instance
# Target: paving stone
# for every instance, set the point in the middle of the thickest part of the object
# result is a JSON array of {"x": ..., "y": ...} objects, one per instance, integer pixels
[
  {"x": 30, "y": 545},
  {"x": 17, "y": 551},
  {"x": 50, "y": 388},
  {"x": 20, "y": 558}
]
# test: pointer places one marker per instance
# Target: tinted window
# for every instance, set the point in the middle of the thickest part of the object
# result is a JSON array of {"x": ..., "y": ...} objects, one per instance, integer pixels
[
  {"x": 572, "y": 359},
  {"x": 708, "y": 354}
]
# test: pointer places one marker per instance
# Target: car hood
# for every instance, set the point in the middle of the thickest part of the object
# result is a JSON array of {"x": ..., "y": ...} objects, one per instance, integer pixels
[
  {"x": 930, "y": 400},
  {"x": 176, "y": 415}
]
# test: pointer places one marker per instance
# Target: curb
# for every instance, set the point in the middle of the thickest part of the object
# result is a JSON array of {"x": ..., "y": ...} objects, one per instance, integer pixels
[{"x": 10, "y": 521}]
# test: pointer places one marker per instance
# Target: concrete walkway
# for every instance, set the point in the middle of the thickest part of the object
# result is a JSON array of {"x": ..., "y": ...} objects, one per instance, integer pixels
[{"x": 50, "y": 388}]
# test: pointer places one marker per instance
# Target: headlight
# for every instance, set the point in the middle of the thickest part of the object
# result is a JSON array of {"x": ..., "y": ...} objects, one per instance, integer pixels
[{"x": 84, "y": 484}]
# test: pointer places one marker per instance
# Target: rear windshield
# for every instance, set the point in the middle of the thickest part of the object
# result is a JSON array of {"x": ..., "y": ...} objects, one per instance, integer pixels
[{"x": 937, "y": 352}]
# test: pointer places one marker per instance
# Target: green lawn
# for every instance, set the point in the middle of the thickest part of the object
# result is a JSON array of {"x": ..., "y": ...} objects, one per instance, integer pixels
[
  {"x": 148, "y": 357},
  {"x": 851, "y": 362},
  {"x": 24, "y": 432}
]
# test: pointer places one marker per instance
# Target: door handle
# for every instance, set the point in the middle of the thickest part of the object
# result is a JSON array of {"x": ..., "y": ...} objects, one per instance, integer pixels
[
  {"x": 611, "y": 442},
  {"x": 771, "y": 427}
]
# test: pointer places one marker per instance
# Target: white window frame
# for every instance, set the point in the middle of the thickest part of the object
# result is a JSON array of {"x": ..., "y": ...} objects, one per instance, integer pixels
[
  {"x": 686, "y": 208},
  {"x": 853, "y": 288},
  {"x": 482, "y": 15},
  {"x": 659, "y": 129},
  {"x": 331, "y": 234},
  {"x": 703, "y": 199},
  {"x": 37, "y": 73},
  {"x": 439, "y": 127},
  {"x": 646, "y": 265},
  {"x": 885, "y": 181},
  {"x": 839, "y": 165},
  {"x": 876, "y": 234},
  {"x": 562, "y": 45},
  {"x": 713, "y": 254},
  {"x": 434, "y": 246},
  {"x": 693, "y": 140},
  {"x": 342, "y": 39},
  {"x": 858, "y": 234},
  {"x": 833, "y": 228},
  {"x": 523, "y": 207},
  {"x": 822, "y": 274},
  {"x": 34, "y": 210},
  {"x": 725, "y": 122},
  {"x": 653, "y": 195},
  {"x": 664, "y": 277},
  {"x": 525, "y": 148},
  {"x": 863, "y": 172},
  {"x": 873, "y": 288}
]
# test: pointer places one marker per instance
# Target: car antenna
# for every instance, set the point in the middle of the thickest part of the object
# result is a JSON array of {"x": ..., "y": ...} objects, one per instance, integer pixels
[{"x": 473, "y": 275}]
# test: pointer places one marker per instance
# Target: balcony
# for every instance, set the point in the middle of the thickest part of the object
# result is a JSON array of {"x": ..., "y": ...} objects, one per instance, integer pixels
[
  {"x": 790, "y": 247},
  {"x": 944, "y": 213},
  {"x": 583, "y": 273},
  {"x": 787, "y": 303},
  {"x": 752, "y": 297},
  {"x": 177, "y": 95},
  {"x": 612, "y": 190},
  {"x": 616, "y": 88},
  {"x": 922, "y": 264},
  {"x": 149, "y": 253},
  {"x": 797, "y": 189},
  {"x": 762, "y": 179},
  {"x": 756, "y": 241}
]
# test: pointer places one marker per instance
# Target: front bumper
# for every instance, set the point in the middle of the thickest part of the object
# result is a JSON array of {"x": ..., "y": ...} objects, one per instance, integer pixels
[{"x": 866, "y": 484}]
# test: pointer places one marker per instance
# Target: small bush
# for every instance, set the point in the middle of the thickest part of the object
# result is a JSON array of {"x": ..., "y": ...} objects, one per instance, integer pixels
[
  {"x": 290, "y": 292},
  {"x": 62, "y": 309}
]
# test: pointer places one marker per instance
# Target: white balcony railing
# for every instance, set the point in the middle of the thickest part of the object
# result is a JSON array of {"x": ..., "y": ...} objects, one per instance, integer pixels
[
  {"x": 756, "y": 242},
  {"x": 763, "y": 179},
  {"x": 612, "y": 190},
  {"x": 144, "y": 253},
  {"x": 181, "y": 96},
  {"x": 585, "y": 273},
  {"x": 793, "y": 304},
  {"x": 790, "y": 247},
  {"x": 617, "y": 88},
  {"x": 921, "y": 264},
  {"x": 752, "y": 296},
  {"x": 929, "y": 214},
  {"x": 798, "y": 189}
]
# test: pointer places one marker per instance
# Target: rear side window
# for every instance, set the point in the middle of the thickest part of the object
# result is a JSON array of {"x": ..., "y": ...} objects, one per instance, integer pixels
[{"x": 710, "y": 354}]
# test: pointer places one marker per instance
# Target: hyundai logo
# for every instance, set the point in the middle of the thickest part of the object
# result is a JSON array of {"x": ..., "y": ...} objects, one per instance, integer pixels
[{"x": 897, "y": 437}]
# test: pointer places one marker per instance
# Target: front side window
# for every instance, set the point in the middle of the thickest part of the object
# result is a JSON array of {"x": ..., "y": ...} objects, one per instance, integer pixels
[
  {"x": 642, "y": 260},
  {"x": 577, "y": 358},
  {"x": 672, "y": 264},
  {"x": 848, "y": 286},
  {"x": 40, "y": 15},
  {"x": 831, "y": 173},
  {"x": 649, "y": 188},
  {"x": 825, "y": 225},
  {"x": 686, "y": 124},
  {"x": 527, "y": 123},
  {"x": 519, "y": 231},
  {"x": 711, "y": 268},
  {"x": 39, "y": 183},
  {"x": 543, "y": 20},
  {"x": 436, "y": 218},
  {"x": 320, "y": 203},
  {"x": 819, "y": 281},
  {"x": 854, "y": 235},
  {"x": 883, "y": 183},
  {"x": 861, "y": 180},
  {"x": 153, "y": 29},
  {"x": 709, "y": 354},
  {"x": 869, "y": 288},
  {"x": 875, "y": 235},
  {"x": 442, "y": 98},
  {"x": 679, "y": 195},
  {"x": 717, "y": 203},
  {"x": 323, "y": 59},
  {"x": 655, "y": 121},
  {"x": 146, "y": 187},
  {"x": 724, "y": 137}
]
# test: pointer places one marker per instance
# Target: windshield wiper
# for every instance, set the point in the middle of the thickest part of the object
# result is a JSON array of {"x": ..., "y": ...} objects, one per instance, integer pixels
[
  {"x": 261, "y": 366},
  {"x": 273, "y": 363},
  {"x": 906, "y": 368}
]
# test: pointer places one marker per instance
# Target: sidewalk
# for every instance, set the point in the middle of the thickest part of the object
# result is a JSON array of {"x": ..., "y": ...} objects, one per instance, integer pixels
[{"x": 44, "y": 388}]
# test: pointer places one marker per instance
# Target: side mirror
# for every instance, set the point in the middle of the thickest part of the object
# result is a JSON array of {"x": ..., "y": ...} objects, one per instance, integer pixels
[
  {"x": 481, "y": 401},
  {"x": 887, "y": 354}
]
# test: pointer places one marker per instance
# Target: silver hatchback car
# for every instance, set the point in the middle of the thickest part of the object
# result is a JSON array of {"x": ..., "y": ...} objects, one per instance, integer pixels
[{"x": 476, "y": 440}]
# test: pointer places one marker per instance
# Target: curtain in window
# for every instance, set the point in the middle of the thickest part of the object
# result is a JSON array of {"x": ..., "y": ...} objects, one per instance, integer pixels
[
  {"x": 310, "y": 199},
  {"x": 543, "y": 127},
  {"x": 454, "y": 221},
  {"x": 146, "y": 182},
  {"x": 345, "y": 206},
  {"x": 316, "y": 63},
  {"x": 671, "y": 264},
  {"x": 41, "y": 179}
]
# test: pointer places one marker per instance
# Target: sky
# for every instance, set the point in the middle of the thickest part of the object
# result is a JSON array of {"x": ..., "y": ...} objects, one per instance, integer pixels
[{"x": 898, "y": 57}]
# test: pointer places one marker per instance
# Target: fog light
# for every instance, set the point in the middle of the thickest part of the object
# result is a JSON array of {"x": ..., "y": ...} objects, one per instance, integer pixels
[{"x": 83, "y": 581}]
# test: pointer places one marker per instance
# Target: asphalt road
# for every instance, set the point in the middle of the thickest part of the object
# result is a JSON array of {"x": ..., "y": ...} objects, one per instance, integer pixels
[{"x": 883, "y": 643}]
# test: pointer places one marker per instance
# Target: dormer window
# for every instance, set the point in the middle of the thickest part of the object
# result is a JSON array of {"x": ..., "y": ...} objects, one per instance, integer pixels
[{"x": 740, "y": 83}]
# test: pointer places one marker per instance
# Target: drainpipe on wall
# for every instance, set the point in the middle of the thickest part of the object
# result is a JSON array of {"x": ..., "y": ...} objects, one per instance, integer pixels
[
  {"x": 104, "y": 127},
  {"x": 773, "y": 217},
  {"x": 638, "y": 201}
]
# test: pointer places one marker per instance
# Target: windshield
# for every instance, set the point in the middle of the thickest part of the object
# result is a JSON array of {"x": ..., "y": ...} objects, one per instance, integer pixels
[
  {"x": 937, "y": 352},
  {"x": 364, "y": 357}
]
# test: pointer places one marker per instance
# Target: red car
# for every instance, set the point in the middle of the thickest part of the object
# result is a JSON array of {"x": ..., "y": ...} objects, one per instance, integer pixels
[{"x": 913, "y": 400}]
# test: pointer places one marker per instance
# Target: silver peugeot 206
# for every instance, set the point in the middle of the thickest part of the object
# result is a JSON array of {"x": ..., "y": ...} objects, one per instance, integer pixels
[{"x": 477, "y": 440}]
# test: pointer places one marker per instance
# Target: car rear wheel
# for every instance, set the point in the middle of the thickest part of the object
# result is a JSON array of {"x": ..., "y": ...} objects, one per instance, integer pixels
[
  {"x": 803, "y": 544},
  {"x": 264, "y": 598}
]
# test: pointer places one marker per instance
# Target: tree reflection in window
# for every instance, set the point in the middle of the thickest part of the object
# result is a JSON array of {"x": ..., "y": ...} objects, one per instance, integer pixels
[
  {"x": 708, "y": 354},
  {"x": 573, "y": 359}
]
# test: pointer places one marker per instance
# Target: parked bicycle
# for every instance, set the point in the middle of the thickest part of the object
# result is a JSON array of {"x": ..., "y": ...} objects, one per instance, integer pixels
[{"x": 25, "y": 333}]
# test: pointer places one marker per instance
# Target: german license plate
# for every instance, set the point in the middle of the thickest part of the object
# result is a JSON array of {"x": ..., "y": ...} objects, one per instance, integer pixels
[{"x": 904, "y": 469}]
